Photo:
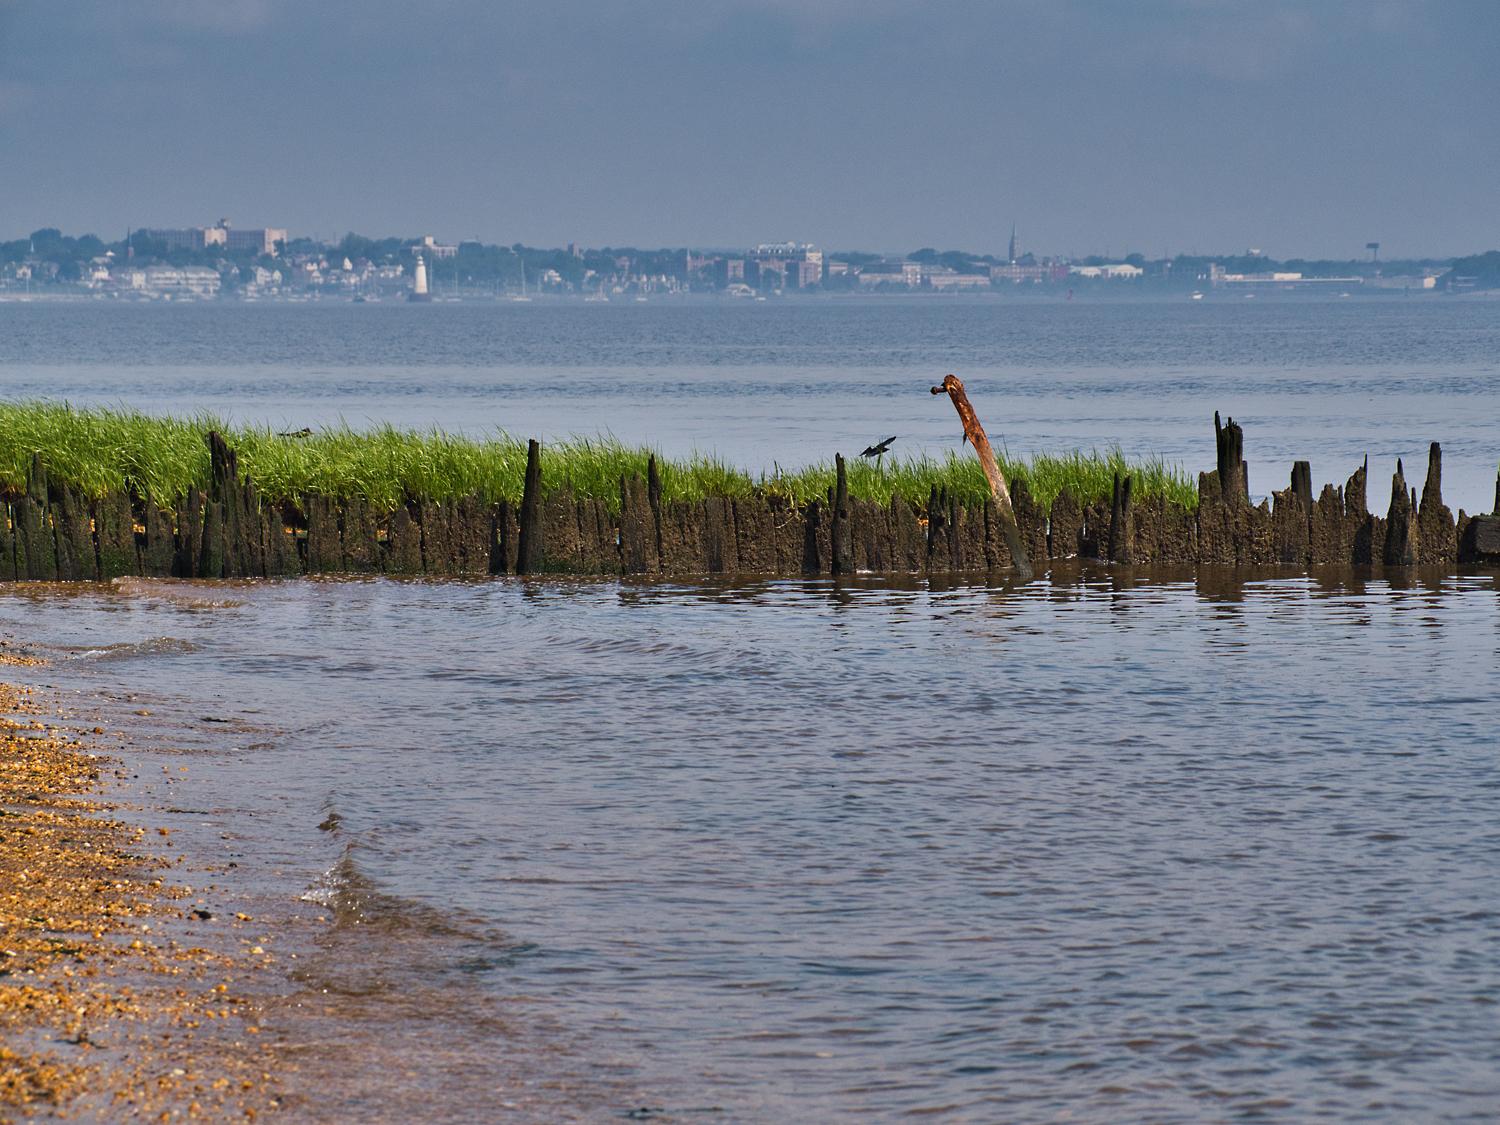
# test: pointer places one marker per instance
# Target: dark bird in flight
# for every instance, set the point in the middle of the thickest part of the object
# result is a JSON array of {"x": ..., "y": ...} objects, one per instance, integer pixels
[
  {"x": 303, "y": 432},
  {"x": 877, "y": 450}
]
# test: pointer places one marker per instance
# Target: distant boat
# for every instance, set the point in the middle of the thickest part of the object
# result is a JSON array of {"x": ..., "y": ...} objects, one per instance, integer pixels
[
  {"x": 1197, "y": 296},
  {"x": 522, "y": 298}
]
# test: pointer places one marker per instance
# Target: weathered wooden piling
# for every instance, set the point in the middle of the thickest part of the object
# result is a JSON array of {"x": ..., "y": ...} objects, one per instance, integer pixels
[
  {"x": 841, "y": 542},
  {"x": 75, "y": 541},
  {"x": 755, "y": 535},
  {"x": 1480, "y": 544},
  {"x": 1401, "y": 535},
  {"x": 36, "y": 546},
  {"x": 529, "y": 550},
  {"x": 1065, "y": 526},
  {"x": 403, "y": 541},
  {"x": 1030, "y": 519},
  {"x": 1121, "y": 527},
  {"x": 323, "y": 550},
  {"x": 653, "y": 494},
  {"x": 816, "y": 559},
  {"x": 640, "y": 538},
  {"x": 1437, "y": 541},
  {"x": 7, "y": 542},
  {"x": 114, "y": 534},
  {"x": 1234, "y": 472},
  {"x": 1292, "y": 518}
]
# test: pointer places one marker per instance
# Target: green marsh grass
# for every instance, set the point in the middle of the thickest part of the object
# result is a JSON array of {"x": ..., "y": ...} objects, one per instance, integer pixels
[{"x": 104, "y": 450}]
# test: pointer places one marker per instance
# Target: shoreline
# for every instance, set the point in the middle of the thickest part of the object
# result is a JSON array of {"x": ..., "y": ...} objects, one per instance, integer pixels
[
  {"x": 109, "y": 1006},
  {"x": 160, "y": 960}
]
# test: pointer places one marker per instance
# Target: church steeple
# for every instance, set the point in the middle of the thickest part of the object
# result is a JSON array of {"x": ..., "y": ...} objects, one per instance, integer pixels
[{"x": 1012, "y": 255}]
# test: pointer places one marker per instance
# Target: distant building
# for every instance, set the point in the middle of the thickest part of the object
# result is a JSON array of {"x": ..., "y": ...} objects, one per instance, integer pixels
[
  {"x": 1276, "y": 279},
  {"x": 943, "y": 277},
  {"x": 173, "y": 281},
  {"x": 792, "y": 265},
  {"x": 1424, "y": 280},
  {"x": 432, "y": 248},
  {"x": 1116, "y": 271},
  {"x": 261, "y": 240},
  {"x": 906, "y": 275},
  {"x": 1017, "y": 274}
]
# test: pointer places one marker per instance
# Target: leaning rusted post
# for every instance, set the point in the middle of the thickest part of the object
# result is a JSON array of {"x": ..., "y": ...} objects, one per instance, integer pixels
[{"x": 974, "y": 432}]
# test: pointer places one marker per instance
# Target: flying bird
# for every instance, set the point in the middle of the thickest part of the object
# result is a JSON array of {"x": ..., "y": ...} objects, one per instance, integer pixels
[
  {"x": 303, "y": 432},
  {"x": 877, "y": 450}
]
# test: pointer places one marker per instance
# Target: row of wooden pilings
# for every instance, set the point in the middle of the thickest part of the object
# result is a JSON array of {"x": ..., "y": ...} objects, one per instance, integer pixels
[{"x": 53, "y": 531}]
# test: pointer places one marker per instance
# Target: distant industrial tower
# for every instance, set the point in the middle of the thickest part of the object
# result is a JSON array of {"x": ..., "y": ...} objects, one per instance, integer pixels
[
  {"x": 1012, "y": 255},
  {"x": 419, "y": 283}
]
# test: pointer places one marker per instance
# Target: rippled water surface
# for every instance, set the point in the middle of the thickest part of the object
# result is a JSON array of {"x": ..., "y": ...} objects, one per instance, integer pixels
[
  {"x": 1324, "y": 380},
  {"x": 1099, "y": 847},
  {"x": 1102, "y": 847}
]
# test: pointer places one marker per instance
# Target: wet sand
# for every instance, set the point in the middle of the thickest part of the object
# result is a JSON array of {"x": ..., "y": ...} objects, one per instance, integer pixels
[
  {"x": 145, "y": 975},
  {"x": 109, "y": 1007}
]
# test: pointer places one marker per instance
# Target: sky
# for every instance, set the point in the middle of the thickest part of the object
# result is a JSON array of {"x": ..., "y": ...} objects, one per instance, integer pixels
[{"x": 1154, "y": 126}]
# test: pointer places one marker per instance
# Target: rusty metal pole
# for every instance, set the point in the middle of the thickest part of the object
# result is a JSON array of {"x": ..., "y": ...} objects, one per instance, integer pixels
[{"x": 974, "y": 432}]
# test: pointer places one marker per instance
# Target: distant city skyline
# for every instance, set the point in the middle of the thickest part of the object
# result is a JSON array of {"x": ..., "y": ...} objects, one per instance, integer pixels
[{"x": 1163, "y": 127}]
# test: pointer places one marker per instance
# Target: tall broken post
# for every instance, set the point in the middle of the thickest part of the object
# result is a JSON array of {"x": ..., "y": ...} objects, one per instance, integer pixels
[
  {"x": 1121, "y": 525},
  {"x": 1234, "y": 474},
  {"x": 653, "y": 495},
  {"x": 1437, "y": 538},
  {"x": 1401, "y": 535},
  {"x": 529, "y": 549},
  {"x": 1302, "y": 483},
  {"x": 975, "y": 435},
  {"x": 842, "y": 542}
]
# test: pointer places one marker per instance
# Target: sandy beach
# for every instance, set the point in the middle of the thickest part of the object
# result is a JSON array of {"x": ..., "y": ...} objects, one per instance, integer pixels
[{"x": 109, "y": 1008}]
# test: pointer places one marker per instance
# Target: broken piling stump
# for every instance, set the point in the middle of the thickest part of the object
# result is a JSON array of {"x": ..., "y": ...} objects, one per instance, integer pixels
[{"x": 529, "y": 552}]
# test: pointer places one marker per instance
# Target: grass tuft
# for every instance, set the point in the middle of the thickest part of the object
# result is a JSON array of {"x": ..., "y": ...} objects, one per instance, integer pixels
[{"x": 102, "y": 450}]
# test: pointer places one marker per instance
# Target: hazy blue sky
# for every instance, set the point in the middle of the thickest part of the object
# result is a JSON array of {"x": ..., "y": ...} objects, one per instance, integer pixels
[{"x": 1150, "y": 125}]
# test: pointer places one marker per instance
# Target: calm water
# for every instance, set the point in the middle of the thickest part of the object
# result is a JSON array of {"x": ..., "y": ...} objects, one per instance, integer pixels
[
  {"x": 1173, "y": 851},
  {"x": 1169, "y": 848},
  {"x": 790, "y": 382}
]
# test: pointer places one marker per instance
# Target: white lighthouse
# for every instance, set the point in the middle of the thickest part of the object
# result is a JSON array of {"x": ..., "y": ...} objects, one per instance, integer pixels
[{"x": 419, "y": 287}]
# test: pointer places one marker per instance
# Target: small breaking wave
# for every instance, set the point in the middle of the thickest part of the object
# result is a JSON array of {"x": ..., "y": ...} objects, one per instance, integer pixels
[
  {"x": 177, "y": 592},
  {"x": 353, "y": 899},
  {"x": 156, "y": 646}
]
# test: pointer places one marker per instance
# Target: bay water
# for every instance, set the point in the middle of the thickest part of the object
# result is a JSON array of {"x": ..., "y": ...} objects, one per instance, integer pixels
[{"x": 1103, "y": 846}]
